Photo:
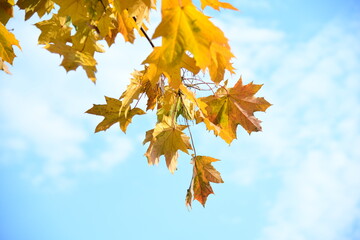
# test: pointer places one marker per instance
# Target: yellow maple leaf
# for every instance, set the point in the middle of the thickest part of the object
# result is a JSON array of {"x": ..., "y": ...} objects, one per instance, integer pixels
[
  {"x": 85, "y": 39},
  {"x": 112, "y": 114},
  {"x": 7, "y": 41},
  {"x": 216, "y": 4},
  {"x": 230, "y": 107},
  {"x": 73, "y": 59},
  {"x": 158, "y": 65},
  {"x": 76, "y": 9},
  {"x": 166, "y": 139},
  {"x": 136, "y": 8},
  {"x": 134, "y": 89},
  {"x": 203, "y": 174},
  {"x": 54, "y": 30},
  {"x": 125, "y": 26},
  {"x": 184, "y": 28},
  {"x": 41, "y": 7},
  {"x": 106, "y": 23}
]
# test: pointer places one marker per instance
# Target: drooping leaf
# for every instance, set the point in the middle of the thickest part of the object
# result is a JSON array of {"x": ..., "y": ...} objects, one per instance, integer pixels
[
  {"x": 73, "y": 59},
  {"x": 184, "y": 28},
  {"x": 125, "y": 26},
  {"x": 134, "y": 89},
  {"x": 166, "y": 139},
  {"x": 230, "y": 107},
  {"x": 7, "y": 41},
  {"x": 203, "y": 174},
  {"x": 112, "y": 114}
]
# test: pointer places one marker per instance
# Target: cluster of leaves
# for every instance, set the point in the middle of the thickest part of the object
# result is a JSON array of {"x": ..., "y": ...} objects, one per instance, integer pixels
[{"x": 190, "y": 44}]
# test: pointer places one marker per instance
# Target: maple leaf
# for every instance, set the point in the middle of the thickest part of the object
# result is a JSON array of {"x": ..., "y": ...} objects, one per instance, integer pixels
[
  {"x": 73, "y": 59},
  {"x": 184, "y": 28},
  {"x": 230, "y": 107},
  {"x": 41, "y": 7},
  {"x": 203, "y": 174},
  {"x": 85, "y": 39},
  {"x": 125, "y": 26},
  {"x": 166, "y": 139},
  {"x": 54, "y": 30},
  {"x": 135, "y": 8},
  {"x": 168, "y": 104},
  {"x": 216, "y": 4},
  {"x": 76, "y": 9},
  {"x": 6, "y": 10},
  {"x": 7, "y": 40},
  {"x": 113, "y": 114},
  {"x": 107, "y": 24},
  {"x": 134, "y": 89},
  {"x": 158, "y": 65}
]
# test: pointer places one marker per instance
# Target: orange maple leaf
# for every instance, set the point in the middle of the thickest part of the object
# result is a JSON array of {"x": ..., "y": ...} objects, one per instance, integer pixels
[
  {"x": 230, "y": 107},
  {"x": 203, "y": 174}
]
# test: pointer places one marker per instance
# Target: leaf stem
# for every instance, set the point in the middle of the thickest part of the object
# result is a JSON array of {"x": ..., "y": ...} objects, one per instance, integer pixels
[
  {"x": 145, "y": 34},
  {"x": 139, "y": 99}
]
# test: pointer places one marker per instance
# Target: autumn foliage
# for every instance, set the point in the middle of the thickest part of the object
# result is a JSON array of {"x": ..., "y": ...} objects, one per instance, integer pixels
[{"x": 193, "y": 56}]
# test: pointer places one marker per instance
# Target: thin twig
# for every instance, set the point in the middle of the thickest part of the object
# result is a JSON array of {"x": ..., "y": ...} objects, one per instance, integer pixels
[
  {"x": 138, "y": 100},
  {"x": 145, "y": 34}
]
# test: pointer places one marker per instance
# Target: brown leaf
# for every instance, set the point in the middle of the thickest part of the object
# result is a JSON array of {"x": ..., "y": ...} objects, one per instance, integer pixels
[
  {"x": 203, "y": 174},
  {"x": 230, "y": 107}
]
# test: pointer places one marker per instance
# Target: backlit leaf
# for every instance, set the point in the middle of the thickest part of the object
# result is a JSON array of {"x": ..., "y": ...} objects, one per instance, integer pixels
[
  {"x": 76, "y": 9},
  {"x": 166, "y": 139},
  {"x": 41, "y": 7},
  {"x": 73, "y": 59},
  {"x": 184, "y": 28},
  {"x": 54, "y": 30},
  {"x": 203, "y": 174},
  {"x": 7, "y": 41},
  {"x": 230, "y": 107},
  {"x": 113, "y": 114},
  {"x": 216, "y": 4}
]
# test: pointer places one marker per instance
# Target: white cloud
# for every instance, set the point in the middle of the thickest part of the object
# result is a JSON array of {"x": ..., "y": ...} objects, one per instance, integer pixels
[
  {"x": 317, "y": 111},
  {"x": 319, "y": 199},
  {"x": 311, "y": 133},
  {"x": 118, "y": 149}
]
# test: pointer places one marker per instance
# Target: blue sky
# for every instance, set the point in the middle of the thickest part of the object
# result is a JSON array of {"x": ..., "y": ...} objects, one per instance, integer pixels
[{"x": 297, "y": 180}]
